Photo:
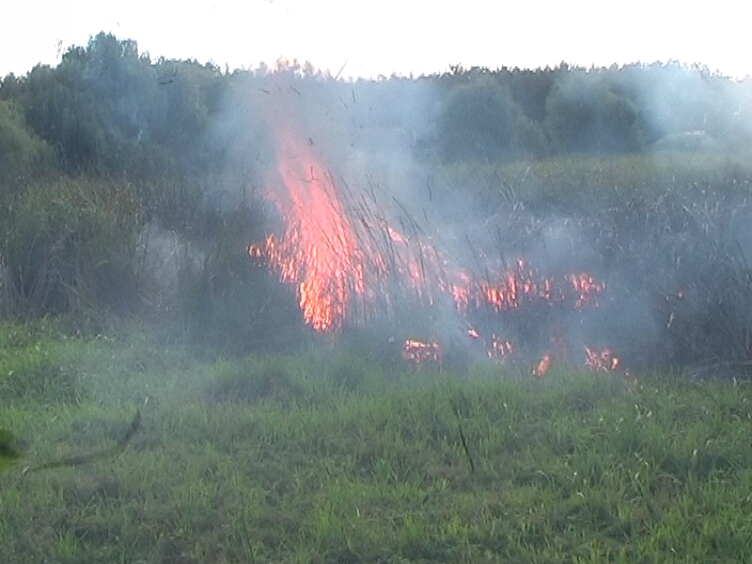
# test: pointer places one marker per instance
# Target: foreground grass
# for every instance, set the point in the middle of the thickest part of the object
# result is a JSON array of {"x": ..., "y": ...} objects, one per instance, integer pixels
[{"x": 327, "y": 457}]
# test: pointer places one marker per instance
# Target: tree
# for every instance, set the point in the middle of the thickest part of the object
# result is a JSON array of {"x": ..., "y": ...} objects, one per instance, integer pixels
[
  {"x": 480, "y": 120},
  {"x": 21, "y": 152},
  {"x": 91, "y": 106},
  {"x": 587, "y": 114}
]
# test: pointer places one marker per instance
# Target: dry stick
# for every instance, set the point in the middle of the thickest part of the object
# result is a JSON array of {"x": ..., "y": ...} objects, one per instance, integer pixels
[
  {"x": 367, "y": 237},
  {"x": 462, "y": 438},
  {"x": 87, "y": 457},
  {"x": 414, "y": 227},
  {"x": 483, "y": 265}
]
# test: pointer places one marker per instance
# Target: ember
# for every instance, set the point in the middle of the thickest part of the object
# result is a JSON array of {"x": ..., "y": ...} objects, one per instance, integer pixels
[
  {"x": 499, "y": 348},
  {"x": 586, "y": 287},
  {"x": 601, "y": 361},
  {"x": 419, "y": 352},
  {"x": 540, "y": 369}
]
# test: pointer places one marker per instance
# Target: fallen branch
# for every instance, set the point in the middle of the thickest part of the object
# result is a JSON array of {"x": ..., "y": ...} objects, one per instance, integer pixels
[{"x": 88, "y": 457}]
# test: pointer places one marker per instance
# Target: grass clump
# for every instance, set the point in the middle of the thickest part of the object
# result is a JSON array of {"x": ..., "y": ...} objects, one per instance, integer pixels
[
  {"x": 252, "y": 381},
  {"x": 70, "y": 246},
  {"x": 8, "y": 450},
  {"x": 32, "y": 368}
]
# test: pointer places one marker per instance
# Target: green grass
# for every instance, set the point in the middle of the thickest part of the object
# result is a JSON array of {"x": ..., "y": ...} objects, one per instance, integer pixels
[
  {"x": 323, "y": 457},
  {"x": 587, "y": 183}
]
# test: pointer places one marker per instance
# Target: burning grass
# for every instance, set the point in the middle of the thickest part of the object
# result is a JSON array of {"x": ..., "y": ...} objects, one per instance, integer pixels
[
  {"x": 608, "y": 264},
  {"x": 667, "y": 235},
  {"x": 351, "y": 261},
  {"x": 575, "y": 466}
]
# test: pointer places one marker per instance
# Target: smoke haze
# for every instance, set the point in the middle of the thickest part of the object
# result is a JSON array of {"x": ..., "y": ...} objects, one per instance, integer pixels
[{"x": 371, "y": 138}]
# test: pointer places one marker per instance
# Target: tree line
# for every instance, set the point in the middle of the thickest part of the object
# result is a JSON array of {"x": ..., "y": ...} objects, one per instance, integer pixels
[{"x": 106, "y": 108}]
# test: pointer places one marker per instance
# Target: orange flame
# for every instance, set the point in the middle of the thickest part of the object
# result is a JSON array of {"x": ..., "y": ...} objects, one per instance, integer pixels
[
  {"x": 540, "y": 369},
  {"x": 319, "y": 250},
  {"x": 586, "y": 287},
  {"x": 499, "y": 348}
]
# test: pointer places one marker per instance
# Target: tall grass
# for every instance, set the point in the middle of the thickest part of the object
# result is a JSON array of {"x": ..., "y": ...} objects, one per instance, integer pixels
[
  {"x": 69, "y": 246},
  {"x": 667, "y": 232},
  {"x": 587, "y": 183},
  {"x": 84, "y": 247},
  {"x": 659, "y": 225}
]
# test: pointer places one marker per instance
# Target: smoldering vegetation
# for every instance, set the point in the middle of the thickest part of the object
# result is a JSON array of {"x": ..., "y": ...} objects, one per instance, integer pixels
[
  {"x": 165, "y": 227},
  {"x": 673, "y": 259},
  {"x": 137, "y": 186}
]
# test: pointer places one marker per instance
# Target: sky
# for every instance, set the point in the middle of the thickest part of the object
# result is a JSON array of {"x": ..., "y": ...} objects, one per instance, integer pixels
[{"x": 371, "y": 38}]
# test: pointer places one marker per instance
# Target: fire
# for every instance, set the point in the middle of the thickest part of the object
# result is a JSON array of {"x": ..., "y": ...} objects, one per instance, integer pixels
[
  {"x": 319, "y": 250},
  {"x": 595, "y": 360},
  {"x": 256, "y": 251},
  {"x": 419, "y": 352},
  {"x": 499, "y": 348},
  {"x": 504, "y": 291},
  {"x": 540, "y": 369},
  {"x": 601, "y": 360},
  {"x": 585, "y": 287},
  {"x": 347, "y": 263}
]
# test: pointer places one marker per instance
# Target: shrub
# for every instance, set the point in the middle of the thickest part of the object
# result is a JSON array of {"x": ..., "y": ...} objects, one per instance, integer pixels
[
  {"x": 586, "y": 114},
  {"x": 21, "y": 152},
  {"x": 481, "y": 121},
  {"x": 229, "y": 300},
  {"x": 69, "y": 245}
]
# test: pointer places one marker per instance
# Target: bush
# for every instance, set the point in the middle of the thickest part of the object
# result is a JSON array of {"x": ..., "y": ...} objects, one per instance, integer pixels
[
  {"x": 70, "y": 245},
  {"x": 481, "y": 121},
  {"x": 230, "y": 300},
  {"x": 586, "y": 114},
  {"x": 21, "y": 152}
]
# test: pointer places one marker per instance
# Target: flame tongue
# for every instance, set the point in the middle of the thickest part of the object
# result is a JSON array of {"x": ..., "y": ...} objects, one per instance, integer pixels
[
  {"x": 541, "y": 369},
  {"x": 319, "y": 248}
]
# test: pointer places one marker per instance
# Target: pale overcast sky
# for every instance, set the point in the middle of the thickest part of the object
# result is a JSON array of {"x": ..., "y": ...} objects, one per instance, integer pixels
[{"x": 386, "y": 36}]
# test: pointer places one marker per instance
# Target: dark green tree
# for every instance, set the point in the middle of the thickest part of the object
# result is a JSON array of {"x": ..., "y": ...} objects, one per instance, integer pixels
[
  {"x": 22, "y": 154},
  {"x": 481, "y": 121},
  {"x": 587, "y": 114}
]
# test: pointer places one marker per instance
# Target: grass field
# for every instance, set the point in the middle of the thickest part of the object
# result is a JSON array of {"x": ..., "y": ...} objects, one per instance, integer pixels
[
  {"x": 587, "y": 184},
  {"x": 325, "y": 456}
]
